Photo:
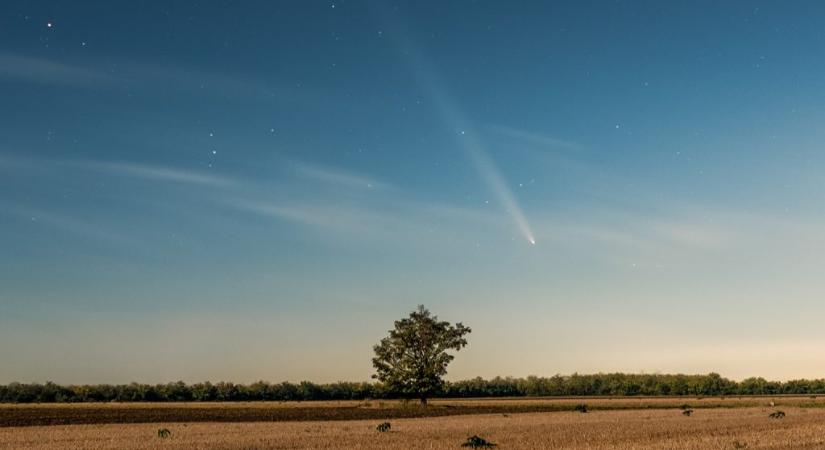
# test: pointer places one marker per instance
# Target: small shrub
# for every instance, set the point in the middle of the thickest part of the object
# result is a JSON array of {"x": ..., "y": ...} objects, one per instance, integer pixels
[
  {"x": 687, "y": 412},
  {"x": 164, "y": 433},
  {"x": 777, "y": 415},
  {"x": 476, "y": 441},
  {"x": 737, "y": 444},
  {"x": 581, "y": 407},
  {"x": 383, "y": 427}
]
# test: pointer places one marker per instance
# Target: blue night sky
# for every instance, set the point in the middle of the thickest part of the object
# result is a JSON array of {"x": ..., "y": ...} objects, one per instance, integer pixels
[{"x": 206, "y": 191}]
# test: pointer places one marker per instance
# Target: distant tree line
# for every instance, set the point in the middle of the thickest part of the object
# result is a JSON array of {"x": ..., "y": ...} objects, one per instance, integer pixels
[
  {"x": 616, "y": 384},
  {"x": 622, "y": 384}
]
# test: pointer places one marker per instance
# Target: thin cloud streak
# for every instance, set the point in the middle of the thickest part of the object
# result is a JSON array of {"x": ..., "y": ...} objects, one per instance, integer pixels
[
  {"x": 226, "y": 86},
  {"x": 366, "y": 221},
  {"x": 130, "y": 75},
  {"x": 43, "y": 71},
  {"x": 295, "y": 213},
  {"x": 38, "y": 217},
  {"x": 156, "y": 173},
  {"x": 373, "y": 217},
  {"x": 337, "y": 177},
  {"x": 534, "y": 138},
  {"x": 400, "y": 223},
  {"x": 15, "y": 163}
]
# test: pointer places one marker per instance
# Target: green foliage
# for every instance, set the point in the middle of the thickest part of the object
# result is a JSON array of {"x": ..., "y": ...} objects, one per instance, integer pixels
[
  {"x": 180, "y": 392},
  {"x": 478, "y": 442},
  {"x": 620, "y": 384},
  {"x": 581, "y": 407},
  {"x": 687, "y": 412},
  {"x": 777, "y": 415},
  {"x": 164, "y": 433},
  {"x": 383, "y": 427},
  {"x": 610, "y": 384},
  {"x": 413, "y": 358}
]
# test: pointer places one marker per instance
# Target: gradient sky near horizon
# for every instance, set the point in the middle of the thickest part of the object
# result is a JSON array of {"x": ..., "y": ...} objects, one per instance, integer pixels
[{"x": 205, "y": 191}]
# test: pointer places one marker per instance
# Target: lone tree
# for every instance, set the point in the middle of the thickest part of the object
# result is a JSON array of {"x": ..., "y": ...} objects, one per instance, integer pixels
[{"x": 413, "y": 358}]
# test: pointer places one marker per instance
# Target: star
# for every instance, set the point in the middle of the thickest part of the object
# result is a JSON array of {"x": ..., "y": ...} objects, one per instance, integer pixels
[{"x": 48, "y": 24}]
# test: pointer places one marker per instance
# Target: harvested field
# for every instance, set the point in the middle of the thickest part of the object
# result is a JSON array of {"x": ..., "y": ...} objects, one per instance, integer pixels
[
  {"x": 714, "y": 428},
  {"x": 100, "y": 413}
]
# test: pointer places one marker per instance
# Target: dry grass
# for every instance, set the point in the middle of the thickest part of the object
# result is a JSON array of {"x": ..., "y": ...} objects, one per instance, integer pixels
[{"x": 716, "y": 428}]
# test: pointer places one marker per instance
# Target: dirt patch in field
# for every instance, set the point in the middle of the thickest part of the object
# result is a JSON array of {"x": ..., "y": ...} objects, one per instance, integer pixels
[
  {"x": 39, "y": 416},
  {"x": 718, "y": 428},
  {"x": 103, "y": 413}
]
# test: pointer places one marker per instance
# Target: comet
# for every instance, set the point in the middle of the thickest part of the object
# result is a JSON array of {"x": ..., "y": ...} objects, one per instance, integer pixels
[
  {"x": 467, "y": 139},
  {"x": 427, "y": 77},
  {"x": 489, "y": 173}
]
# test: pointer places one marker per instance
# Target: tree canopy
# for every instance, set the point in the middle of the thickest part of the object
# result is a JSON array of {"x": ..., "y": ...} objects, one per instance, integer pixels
[
  {"x": 602, "y": 384},
  {"x": 414, "y": 357}
]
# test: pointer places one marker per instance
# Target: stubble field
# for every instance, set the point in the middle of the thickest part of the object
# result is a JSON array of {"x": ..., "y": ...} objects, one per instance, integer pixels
[{"x": 616, "y": 423}]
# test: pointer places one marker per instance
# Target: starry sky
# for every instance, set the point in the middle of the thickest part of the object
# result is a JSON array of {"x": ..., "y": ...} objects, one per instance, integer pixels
[{"x": 204, "y": 191}]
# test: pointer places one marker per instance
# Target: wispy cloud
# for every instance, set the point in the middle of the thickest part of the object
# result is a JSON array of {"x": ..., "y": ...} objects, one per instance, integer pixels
[
  {"x": 534, "y": 138},
  {"x": 10, "y": 162},
  {"x": 65, "y": 223},
  {"x": 662, "y": 233},
  {"x": 337, "y": 177},
  {"x": 44, "y": 71},
  {"x": 161, "y": 79},
  {"x": 200, "y": 81},
  {"x": 369, "y": 220},
  {"x": 153, "y": 172},
  {"x": 695, "y": 234},
  {"x": 401, "y": 222},
  {"x": 400, "y": 218}
]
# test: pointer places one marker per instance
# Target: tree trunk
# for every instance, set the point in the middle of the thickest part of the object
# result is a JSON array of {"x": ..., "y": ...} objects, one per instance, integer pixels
[{"x": 423, "y": 401}]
